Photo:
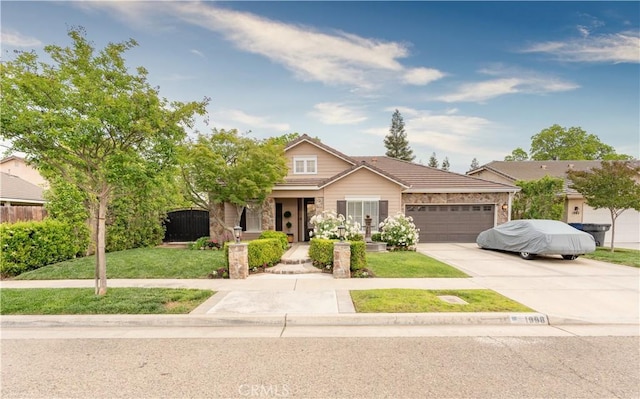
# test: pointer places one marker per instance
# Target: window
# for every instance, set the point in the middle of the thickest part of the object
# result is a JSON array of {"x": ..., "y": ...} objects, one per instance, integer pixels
[
  {"x": 358, "y": 210},
  {"x": 251, "y": 219},
  {"x": 305, "y": 165}
]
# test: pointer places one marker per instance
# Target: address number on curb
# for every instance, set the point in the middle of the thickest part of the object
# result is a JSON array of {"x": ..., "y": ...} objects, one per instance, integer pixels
[{"x": 534, "y": 319}]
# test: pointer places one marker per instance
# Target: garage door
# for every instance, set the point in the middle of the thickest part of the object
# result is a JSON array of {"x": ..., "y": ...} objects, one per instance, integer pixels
[
  {"x": 451, "y": 223},
  {"x": 627, "y": 224}
]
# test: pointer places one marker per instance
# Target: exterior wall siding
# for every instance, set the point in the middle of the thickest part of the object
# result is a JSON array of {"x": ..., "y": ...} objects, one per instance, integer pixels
[
  {"x": 328, "y": 165},
  {"x": 366, "y": 184},
  {"x": 491, "y": 176}
]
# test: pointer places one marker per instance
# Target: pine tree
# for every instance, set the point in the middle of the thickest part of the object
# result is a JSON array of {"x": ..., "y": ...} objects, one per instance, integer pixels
[
  {"x": 396, "y": 141},
  {"x": 445, "y": 164},
  {"x": 433, "y": 161},
  {"x": 474, "y": 164}
]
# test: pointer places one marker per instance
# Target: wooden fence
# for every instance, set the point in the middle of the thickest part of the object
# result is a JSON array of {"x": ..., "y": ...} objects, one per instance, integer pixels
[{"x": 18, "y": 213}]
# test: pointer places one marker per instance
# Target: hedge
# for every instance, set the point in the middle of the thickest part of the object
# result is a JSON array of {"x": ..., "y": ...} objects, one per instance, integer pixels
[
  {"x": 321, "y": 253},
  {"x": 277, "y": 235},
  {"x": 262, "y": 252},
  {"x": 31, "y": 245}
]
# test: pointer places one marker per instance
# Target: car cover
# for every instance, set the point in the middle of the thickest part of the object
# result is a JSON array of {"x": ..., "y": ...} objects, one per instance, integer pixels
[{"x": 537, "y": 237}]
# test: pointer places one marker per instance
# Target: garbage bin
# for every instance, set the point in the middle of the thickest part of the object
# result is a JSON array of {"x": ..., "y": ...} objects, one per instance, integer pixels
[{"x": 597, "y": 231}]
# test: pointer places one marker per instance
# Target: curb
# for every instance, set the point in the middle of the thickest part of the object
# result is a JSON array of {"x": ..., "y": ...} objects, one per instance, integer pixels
[{"x": 274, "y": 320}]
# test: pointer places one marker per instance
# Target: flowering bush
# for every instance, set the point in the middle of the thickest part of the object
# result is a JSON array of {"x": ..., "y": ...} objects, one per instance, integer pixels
[
  {"x": 399, "y": 231},
  {"x": 326, "y": 225}
]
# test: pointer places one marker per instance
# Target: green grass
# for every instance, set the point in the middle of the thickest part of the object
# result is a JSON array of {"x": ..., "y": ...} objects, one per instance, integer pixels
[
  {"x": 408, "y": 264},
  {"x": 135, "y": 263},
  {"x": 399, "y": 300},
  {"x": 59, "y": 301},
  {"x": 621, "y": 256}
]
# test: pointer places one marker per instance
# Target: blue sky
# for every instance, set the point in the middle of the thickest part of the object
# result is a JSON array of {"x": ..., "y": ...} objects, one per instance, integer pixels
[{"x": 471, "y": 79}]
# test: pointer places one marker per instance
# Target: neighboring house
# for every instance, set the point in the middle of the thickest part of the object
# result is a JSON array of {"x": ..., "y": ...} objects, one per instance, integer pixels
[
  {"x": 576, "y": 209},
  {"x": 17, "y": 166},
  {"x": 446, "y": 206},
  {"x": 19, "y": 199}
]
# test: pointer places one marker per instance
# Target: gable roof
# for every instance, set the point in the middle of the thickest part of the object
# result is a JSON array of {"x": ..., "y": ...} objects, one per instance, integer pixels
[
  {"x": 370, "y": 167},
  {"x": 425, "y": 179},
  {"x": 315, "y": 142},
  {"x": 15, "y": 189},
  {"x": 534, "y": 170}
]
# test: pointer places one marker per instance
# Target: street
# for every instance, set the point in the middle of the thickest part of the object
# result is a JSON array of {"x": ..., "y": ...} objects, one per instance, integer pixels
[{"x": 342, "y": 367}]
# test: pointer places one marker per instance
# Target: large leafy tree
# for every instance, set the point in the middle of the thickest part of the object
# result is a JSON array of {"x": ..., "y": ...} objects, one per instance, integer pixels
[
  {"x": 517, "y": 155},
  {"x": 226, "y": 167},
  {"x": 539, "y": 199},
  {"x": 614, "y": 186},
  {"x": 559, "y": 143},
  {"x": 89, "y": 119},
  {"x": 396, "y": 141}
]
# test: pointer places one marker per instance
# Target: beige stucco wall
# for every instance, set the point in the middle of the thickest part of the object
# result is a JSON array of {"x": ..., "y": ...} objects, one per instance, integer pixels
[
  {"x": 491, "y": 176},
  {"x": 327, "y": 165},
  {"x": 18, "y": 167}
]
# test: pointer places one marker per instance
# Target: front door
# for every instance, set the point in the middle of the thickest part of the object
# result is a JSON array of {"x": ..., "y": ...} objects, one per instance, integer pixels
[{"x": 309, "y": 212}]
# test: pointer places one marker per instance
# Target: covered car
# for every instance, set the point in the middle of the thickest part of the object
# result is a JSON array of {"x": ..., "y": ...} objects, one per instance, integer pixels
[{"x": 531, "y": 237}]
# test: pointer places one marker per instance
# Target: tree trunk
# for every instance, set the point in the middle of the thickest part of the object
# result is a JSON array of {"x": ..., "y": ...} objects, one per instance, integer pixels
[
  {"x": 614, "y": 215},
  {"x": 101, "y": 261}
]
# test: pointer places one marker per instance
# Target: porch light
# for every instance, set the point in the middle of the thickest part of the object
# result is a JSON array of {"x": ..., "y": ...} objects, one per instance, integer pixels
[
  {"x": 341, "y": 230},
  {"x": 237, "y": 232}
]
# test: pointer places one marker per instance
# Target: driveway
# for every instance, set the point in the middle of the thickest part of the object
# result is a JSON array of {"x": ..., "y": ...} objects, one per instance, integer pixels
[{"x": 580, "y": 291}]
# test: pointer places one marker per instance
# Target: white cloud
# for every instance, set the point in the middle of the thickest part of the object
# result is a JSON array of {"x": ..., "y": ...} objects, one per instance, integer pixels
[
  {"x": 623, "y": 47},
  {"x": 14, "y": 38},
  {"x": 250, "y": 121},
  {"x": 197, "y": 52},
  {"x": 337, "y": 114},
  {"x": 507, "y": 81},
  {"x": 421, "y": 76},
  {"x": 336, "y": 58}
]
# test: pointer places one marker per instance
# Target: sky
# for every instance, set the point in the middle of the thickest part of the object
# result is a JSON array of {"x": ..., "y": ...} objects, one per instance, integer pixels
[{"x": 470, "y": 79}]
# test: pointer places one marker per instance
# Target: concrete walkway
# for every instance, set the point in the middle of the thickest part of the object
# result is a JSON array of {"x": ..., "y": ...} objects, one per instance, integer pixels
[{"x": 568, "y": 294}]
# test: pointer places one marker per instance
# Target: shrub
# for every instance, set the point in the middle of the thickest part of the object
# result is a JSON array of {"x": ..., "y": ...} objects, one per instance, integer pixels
[
  {"x": 326, "y": 225},
  {"x": 321, "y": 253},
  {"x": 262, "y": 252},
  {"x": 276, "y": 235},
  {"x": 376, "y": 237},
  {"x": 31, "y": 245},
  {"x": 399, "y": 231}
]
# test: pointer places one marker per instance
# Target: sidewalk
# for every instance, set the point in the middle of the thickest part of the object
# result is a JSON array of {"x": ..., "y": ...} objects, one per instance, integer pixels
[{"x": 566, "y": 294}]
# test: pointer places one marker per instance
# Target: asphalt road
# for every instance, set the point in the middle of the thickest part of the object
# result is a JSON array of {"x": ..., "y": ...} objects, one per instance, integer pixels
[{"x": 420, "y": 367}]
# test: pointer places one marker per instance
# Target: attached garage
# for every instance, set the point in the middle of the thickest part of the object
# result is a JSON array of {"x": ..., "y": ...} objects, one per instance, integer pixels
[
  {"x": 627, "y": 224},
  {"x": 451, "y": 223}
]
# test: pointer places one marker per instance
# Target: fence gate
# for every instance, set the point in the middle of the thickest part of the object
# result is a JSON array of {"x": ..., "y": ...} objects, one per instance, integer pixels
[{"x": 186, "y": 225}]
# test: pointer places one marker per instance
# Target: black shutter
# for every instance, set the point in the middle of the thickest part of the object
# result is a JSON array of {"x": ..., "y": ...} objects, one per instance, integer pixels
[
  {"x": 341, "y": 208},
  {"x": 383, "y": 210},
  {"x": 243, "y": 220}
]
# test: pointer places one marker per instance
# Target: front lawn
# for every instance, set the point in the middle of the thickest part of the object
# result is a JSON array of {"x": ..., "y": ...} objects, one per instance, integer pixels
[
  {"x": 59, "y": 301},
  {"x": 621, "y": 256},
  {"x": 135, "y": 263},
  {"x": 398, "y": 300},
  {"x": 409, "y": 264}
]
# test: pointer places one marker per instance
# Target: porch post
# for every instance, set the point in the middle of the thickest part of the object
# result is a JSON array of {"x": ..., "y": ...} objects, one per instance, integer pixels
[
  {"x": 239, "y": 260},
  {"x": 342, "y": 260}
]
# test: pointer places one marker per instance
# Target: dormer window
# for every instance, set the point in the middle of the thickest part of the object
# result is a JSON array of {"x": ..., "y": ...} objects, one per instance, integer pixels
[{"x": 305, "y": 165}]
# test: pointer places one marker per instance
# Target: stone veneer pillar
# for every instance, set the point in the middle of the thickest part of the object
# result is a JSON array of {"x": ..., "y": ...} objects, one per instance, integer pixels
[
  {"x": 341, "y": 260},
  {"x": 238, "y": 261}
]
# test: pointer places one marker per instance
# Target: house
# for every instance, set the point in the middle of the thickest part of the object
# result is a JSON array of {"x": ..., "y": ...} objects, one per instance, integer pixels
[
  {"x": 20, "y": 200},
  {"x": 17, "y": 166},
  {"x": 445, "y": 206},
  {"x": 576, "y": 210}
]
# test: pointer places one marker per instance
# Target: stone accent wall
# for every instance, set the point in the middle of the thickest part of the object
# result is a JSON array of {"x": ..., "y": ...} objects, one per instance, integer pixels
[
  {"x": 341, "y": 260},
  {"x": 239, "y": 261},
  {"x": 498, "y": 199},
  {"x": 269, "y": 214},
  {"x": 319, "y": 202}
]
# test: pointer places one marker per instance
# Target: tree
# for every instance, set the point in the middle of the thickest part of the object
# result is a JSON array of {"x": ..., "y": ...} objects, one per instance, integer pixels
[
  {"x": 539, "y": 199},
  {"x": 474, "y": 164},
  {"x": 614, "y": 186},
  {"x": 88, "y": 119},
  {"x": 517, "y": 155},
  {"x": 225, "y": 167},
  {"x": 559, "y": 143},
  {"x": 433, "y": 161},
  {"x": 445, "y": 164},
  {"x": 396, "y": 141}
]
